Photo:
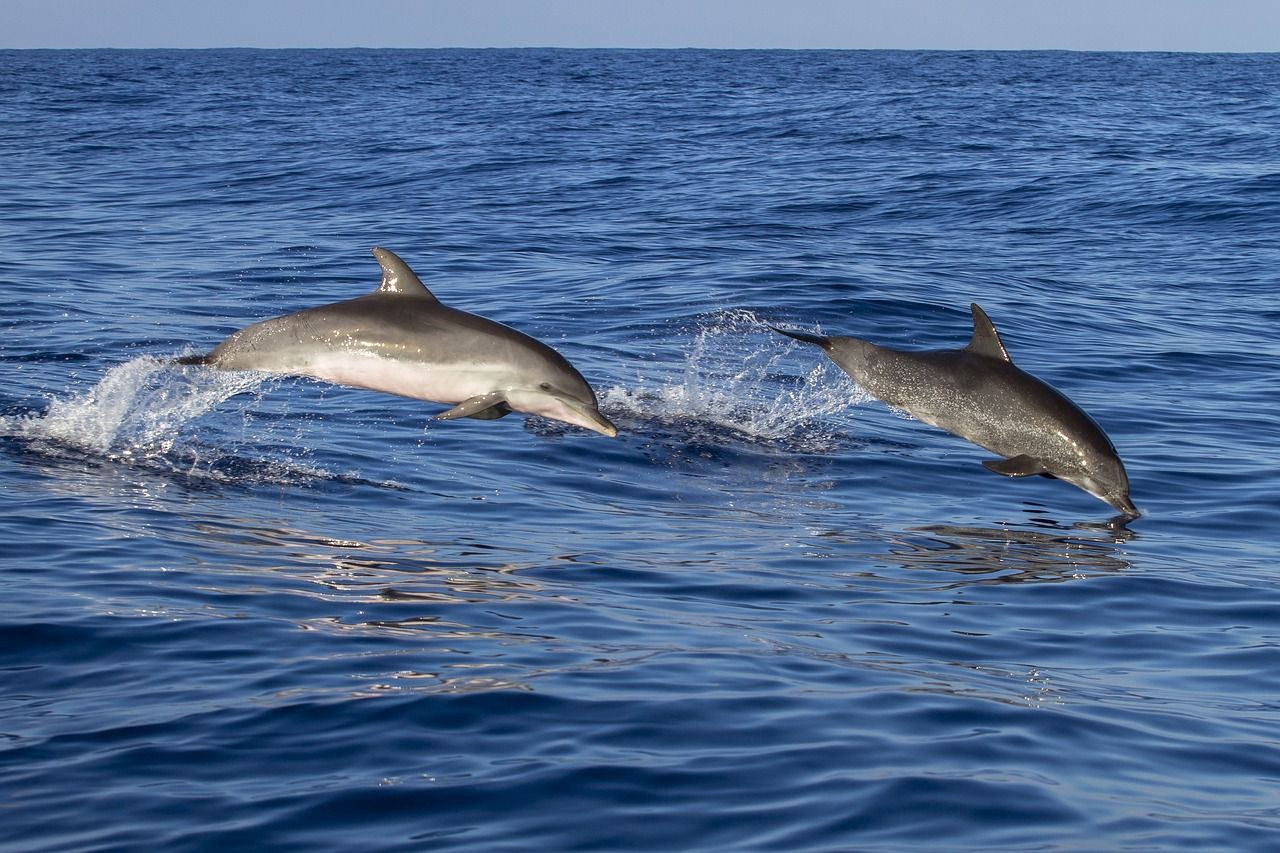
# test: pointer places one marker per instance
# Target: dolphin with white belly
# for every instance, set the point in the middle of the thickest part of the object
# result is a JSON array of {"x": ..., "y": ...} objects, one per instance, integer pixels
[
  {"x": 978, "y": 394},
  {"x": 402, "y": 340}
]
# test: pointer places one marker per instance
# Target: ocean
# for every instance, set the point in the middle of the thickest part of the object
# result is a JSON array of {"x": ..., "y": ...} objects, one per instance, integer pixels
[{"x": 243, "y": 612}]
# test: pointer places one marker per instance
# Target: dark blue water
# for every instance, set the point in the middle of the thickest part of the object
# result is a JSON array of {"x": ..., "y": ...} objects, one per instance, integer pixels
[{"x": 239, "y": 612}]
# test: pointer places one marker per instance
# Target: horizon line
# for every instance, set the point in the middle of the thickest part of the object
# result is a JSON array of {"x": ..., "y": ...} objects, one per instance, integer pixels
[{"x": 1196, "y": 51}]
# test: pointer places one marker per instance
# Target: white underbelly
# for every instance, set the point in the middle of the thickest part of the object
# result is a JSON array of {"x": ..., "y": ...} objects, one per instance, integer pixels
[{"x": 450, "y": 384}]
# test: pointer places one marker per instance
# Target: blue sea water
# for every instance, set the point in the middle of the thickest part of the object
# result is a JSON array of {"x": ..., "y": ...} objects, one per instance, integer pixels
[{"x": 243, "y": 612}]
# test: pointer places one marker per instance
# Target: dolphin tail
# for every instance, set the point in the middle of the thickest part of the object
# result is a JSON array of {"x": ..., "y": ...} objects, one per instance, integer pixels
[
  {"x": 192, "y": 359},
  {"x": 820, "y": 340}
]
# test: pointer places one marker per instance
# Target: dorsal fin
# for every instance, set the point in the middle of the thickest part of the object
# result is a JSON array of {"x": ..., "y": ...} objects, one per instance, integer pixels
[
  {"x": 986, "y": 341},
  {"x": 397, "y": 277}
]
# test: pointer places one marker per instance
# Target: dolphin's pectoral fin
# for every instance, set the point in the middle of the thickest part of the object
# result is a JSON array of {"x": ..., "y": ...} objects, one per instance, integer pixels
[
  {"x": 484, "y": 407},
  {"x": 1021, "y": 465},
  {"x": 498, "y": 410}
]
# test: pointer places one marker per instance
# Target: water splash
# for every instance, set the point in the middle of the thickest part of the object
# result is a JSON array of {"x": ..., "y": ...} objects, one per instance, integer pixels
[
  {"x": 739, "y": 382},
  {"x": 146, "y": 414},
  {"x": 136, "y": 411}
]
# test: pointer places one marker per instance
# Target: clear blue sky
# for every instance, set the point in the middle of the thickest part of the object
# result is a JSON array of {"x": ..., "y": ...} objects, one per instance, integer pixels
[{"x": 1194, "y": 25}]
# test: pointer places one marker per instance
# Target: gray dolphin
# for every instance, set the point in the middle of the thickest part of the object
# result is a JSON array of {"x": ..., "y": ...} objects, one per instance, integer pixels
[
  {"x": 400, "y": 339},
  {"x": 978, "y": 394}
]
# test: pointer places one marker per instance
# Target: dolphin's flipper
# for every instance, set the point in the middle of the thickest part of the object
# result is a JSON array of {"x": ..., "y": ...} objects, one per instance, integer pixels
[
  {"x": 820, "y": 340},
  {"x": 484, "y": 407},
  {"x": 501, "y": 410},
  {"x": 192, "y": 359},
  {"x": 1018, "y": 466}
]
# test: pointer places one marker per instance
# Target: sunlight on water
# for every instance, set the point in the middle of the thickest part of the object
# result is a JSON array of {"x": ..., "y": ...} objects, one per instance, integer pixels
[{"x": 740, "y": 378}]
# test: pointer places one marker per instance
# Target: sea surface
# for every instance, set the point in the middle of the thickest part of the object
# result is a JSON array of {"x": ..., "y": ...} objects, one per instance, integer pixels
[{"x": 249, "y": 612}]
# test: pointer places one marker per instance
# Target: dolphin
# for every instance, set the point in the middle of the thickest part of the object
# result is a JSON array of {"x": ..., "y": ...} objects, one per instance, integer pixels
[
  {"x": 979, "y": 394},
  {"x": 402, "y": 340}
]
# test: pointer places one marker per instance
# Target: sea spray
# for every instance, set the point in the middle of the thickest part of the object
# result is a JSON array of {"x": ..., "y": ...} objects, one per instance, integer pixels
[
  {"x": 136, "y": 411},
  {"x": 739, "y": 380},
  {"x": 147, "y": 414}
]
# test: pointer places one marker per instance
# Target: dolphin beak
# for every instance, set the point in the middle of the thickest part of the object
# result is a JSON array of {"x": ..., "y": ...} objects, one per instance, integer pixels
[
  {"x": 574, "y": 410},
  {"x": 1125, "y": 506},
  {"x": 586, "y": 415},
  {"x": 593, "y": 420}
]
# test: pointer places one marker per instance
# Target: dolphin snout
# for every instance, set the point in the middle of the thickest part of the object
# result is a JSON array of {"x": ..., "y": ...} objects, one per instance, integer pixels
[
  {"x": 1125, "y": 506},
  {"x": 593, "y": 420}
]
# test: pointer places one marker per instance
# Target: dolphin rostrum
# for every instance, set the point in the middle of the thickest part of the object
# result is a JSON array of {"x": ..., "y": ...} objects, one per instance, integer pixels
[
  {"x": 978, "y": 394},
  {"x": 400, "y": 339}
]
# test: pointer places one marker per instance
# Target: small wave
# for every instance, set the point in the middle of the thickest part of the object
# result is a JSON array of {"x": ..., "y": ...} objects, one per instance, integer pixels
[{"x": 735, "y": 386}]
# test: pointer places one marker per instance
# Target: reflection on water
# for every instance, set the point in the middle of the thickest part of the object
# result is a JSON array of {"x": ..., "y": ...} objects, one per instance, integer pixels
[
  {"x": 456, "y": 612},
  {"x": 382, "y": 570},
  {"x": 1008, "y": 554}
]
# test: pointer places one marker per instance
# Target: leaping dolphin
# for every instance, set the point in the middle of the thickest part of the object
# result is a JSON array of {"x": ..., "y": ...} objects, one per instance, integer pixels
[
  {"x": 400, "y": 339},
  {"x": 978, "y": 394}
]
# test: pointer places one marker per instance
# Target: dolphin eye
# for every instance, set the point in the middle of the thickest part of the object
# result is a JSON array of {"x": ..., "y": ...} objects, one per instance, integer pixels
[{"x": 545, "y": 386}]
